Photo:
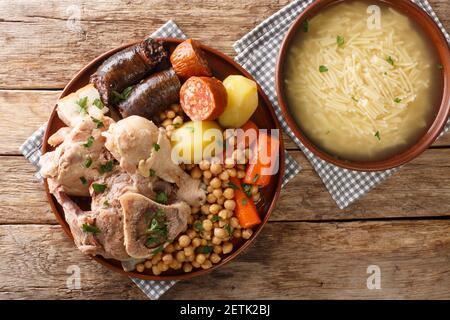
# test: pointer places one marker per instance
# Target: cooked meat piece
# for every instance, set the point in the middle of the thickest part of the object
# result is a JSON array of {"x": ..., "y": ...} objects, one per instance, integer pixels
[
  {"x": 74, "y": 163},
  {"x": 148, "y": 225},
  {"x": 84, "y": 103},
  {"x": 152, "y": 96},
  {"x": 128, "y": 67},
  {"x": 188, "y": 188},
  {"x": 97, "y": 232},
  {"x": 58, "y": 137},
  {"x": 130, "y": 140}
]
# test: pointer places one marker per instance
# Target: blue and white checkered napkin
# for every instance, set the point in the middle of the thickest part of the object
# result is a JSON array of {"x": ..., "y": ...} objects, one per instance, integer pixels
[
  {"x": 31, "y": 150},
  {"x": 257, "y": 52}
]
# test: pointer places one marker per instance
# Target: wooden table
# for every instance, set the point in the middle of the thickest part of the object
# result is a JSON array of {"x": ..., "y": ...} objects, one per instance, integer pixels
[{"x": 310, "y": 248}]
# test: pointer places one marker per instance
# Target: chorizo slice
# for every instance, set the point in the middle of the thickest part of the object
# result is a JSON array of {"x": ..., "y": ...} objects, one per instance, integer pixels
[
  {"x": 128, "y": 67},
  {"x": 152, "y": 95},
  {"x": 203, "y": 98},
  {"x": 188, "y": 60}
]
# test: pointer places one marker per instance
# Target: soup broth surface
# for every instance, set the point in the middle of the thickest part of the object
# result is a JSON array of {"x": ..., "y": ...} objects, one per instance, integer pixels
[{"x": 362, "y": 82}]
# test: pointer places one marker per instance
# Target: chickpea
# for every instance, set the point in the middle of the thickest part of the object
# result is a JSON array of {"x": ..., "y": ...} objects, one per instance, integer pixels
[
  {"x": 166, "y": 123},
  {"x": 217, "y": 193},
  {"x": 187, "y": 267},
  {"x": 200, "y": 258},
  {"x": 247, "y": 233},
  {"x": 216, "y": 168},
  {"x": 188, "y": 251},
  {"x": 206, "y": 236},
  {"x": 215, "y": 183},
  {"x": 221, "y": 200},
  {"x": 241, "y": 174},
  {"x": 256, "y": 197},
  {"x": 176, "y": 265},
  {"x": 191, "y": 233},
  {"x": 224, "y": 176},
  {"x": 162, "y": 266},
  {"x": 162, "y": 116},
  {"x": 195, "y": 210},
  {"x": 148, "y": 264},
  {"x": 167, "y": 258},
  {"x": 229, "y": 163},
  {"x": 206, "y": 265},
  {"x": 230, "y": 204},
  {"x": 195, "y": 264},
  {"x": 184, "y": 240},
  {"x": 207, "y": 174},
  {"x": 220, "y": 233},
  {"x": 170, "y": 114},
  {"x": 232, "y": 172},
  {"x": 196, "y": 173},
  {"x": 206, "y": 181},
  {"x": 169, "y": 248},
  {"x": 178, "y": 247},
  {"x": 204, "y": 165},
  {"x": 196, "y": 242},
  {"x": 215, "y": 258},
  {"x": 156, "y": 271},
  {"x": 234, "y": 222},
  {"x": 209, "y": 189},
  {"x": 180, "y": 256},
  {"x": 207, "y": 225},
  {"x": 227, "y": 247},
  {"x": 214, "y": 208},
  {"x": 190, "y": 258},
  {"x": 156, "y": 258},
  {"x": 170, "y": 127},
  {"x": 215, "y": 240},
  {"x": 237, "y": 233},
  {"x": 217, "y": 249},
  {"x": 205, "y": 209},
  {"x": 178, "y": 121},
  {"x": 223, "y": 214},
  {"x": 228, "y": 193},
  {"x": 222, "y": 223},
  {"x": 204, "y": 242},
  {"x": 140, "y": 267}
]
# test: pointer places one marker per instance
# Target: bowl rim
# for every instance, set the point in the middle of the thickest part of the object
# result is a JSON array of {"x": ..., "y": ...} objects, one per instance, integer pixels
[
  {"x": 427, "y": 139},
  {"x": 200, "y": 272}
]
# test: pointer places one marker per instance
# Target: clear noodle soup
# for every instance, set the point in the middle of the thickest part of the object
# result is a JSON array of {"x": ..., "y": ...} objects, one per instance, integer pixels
[{"x": 362, "y": 86}]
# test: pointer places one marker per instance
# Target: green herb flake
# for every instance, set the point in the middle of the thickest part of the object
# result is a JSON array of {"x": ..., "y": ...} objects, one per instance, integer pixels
[
  {"x": 198, "y": 226},
  {"x": 323, "y": 69},
  {"x": 247, "y": 189},
  {"x": 120, "y": 96},
  {"x": 106, "y": 204},
  {"x": 306, "y": 25},
  {"x": 88, "y": 162},
  {"x": 83, "y": 180},
  {"x": 99, "y": 123},
  {"x": 228, "y": 228},
  {"x": 244, "y": 201},
  {"x": 397, "y": 100},
  {"x": 107, "y": 167},
  {"x": 89, "y": 142},
  {"x": 162, "y": 198},
  {"x": 377, "y": 135},
  {"x": 205, "y": 249},
  {"x": 82, "y": 103},
  {"x": 216, "y": 219},
  {"x": 98, "y": 103},
  {"x": 90, "y": 228},
  {"x": 98, "y": 188},
  {"x": 255, "y": 178},
  {"x": 390, "y": 60},
  {"x": 152, "y": 173},
  {"x": 233, "y": 186},
  {"x": 354, "y": 99},
  {"x": 340, "y": 41},
  {"x": 156, "y": 147},
  {"x": 158, "y": 250}
]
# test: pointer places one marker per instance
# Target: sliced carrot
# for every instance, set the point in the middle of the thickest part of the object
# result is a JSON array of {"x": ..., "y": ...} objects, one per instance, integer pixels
[
  {"x": 256, "y": 172},
  {"x": 251, "y": 139},
  {"x": 245, "y": 208}
]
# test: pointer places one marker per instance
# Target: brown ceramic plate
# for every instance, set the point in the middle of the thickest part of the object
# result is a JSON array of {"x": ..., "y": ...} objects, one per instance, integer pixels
[
  {"x": 264, "y": 117},
  {"x": 430, "y": 29}
]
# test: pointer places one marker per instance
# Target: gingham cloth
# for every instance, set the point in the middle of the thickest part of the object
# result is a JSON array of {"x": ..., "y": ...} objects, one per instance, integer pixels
[
  {"x": 257, "y": 52},
  {"x": 31, "y": 149}
]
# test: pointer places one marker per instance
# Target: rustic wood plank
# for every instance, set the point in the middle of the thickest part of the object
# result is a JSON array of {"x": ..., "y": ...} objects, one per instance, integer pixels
[
  {"x": 38, "y": 40},
  {"x": 309, "y": 261},
  {"x": 24, "y": 111},
  {"x": 420, "y": 189}
]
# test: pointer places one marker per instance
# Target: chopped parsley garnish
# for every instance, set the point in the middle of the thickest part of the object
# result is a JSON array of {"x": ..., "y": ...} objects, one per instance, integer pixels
[
  {"x": 340, "y": 41},
  {"x": 162, "y": 198},
  {"x": 216, "y": 218},
  {"x": 99, "y": 188},
  {"x": 82, "y": 103},
  {"x": 255, "y": 178},
  {"x": 247, "y": 189},
  {"x": 198, "y": 226},
  {"x": 440, "y": 66},
  {"x": 107, "y": 167},
  {"x": 83, "y": 180},
  {"x": 105, "y": 203},
  {"x": 354, "y": 99},
  {"x": 244, "y": 201},
  {"x": 156, "y": 147},
  {"x": 205, "y": 249},
  {"x": 89, "y": 142},
  {"x": 306, "y": 26},
  {"x": 397, "y": 100},
  {"x": 323, "y": 69},
  {"x": 98, "y": 123},
  {"x": 88, "y": 162},
  {"x": 120, "y": 96},
  {"x": 228, "y": 228},
  {"x": 377, "y": 135},
  {"x": 98, "y": 103},
  {"x": 390, "y": 60},
  {"x": 157, "y": 229},
  {"x": 158, "y": 250},
  {"x": 233, "y": 186},
  {"x": 152, "y": 173},
  {"x": 90, "y": 228}
]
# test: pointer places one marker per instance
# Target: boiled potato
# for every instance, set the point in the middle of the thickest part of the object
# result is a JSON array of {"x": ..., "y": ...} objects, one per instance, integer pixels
[
  {"x": 196, "y": 140},
  {"x": 242, "y": 101}
]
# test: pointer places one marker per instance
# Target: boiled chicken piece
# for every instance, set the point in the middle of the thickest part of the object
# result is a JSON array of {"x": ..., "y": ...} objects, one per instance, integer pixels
[
  {"x": 98, "y": 232},
  {"x": 148, "y": 225},
  {"x": 59, "y": 136},
  {"x": 79, "y": 105},
  {"x": 75, "y": 162}
]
